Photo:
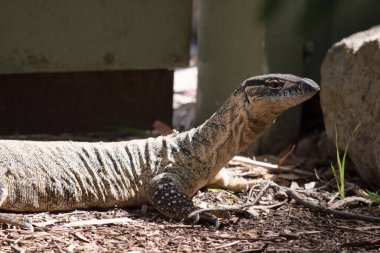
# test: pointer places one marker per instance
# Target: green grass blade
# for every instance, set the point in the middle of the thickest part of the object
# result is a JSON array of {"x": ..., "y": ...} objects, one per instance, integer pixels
[
  {"x": 341, "y": 162},
  {"x": 340, "y": 180},
  {"x": 356, "y": 128},
  {"x": 337, "y": 148},
  {"x": 336, "y": 178},
  {"x": 336, "y": 136},
  {"x": 333, "y": 170}
]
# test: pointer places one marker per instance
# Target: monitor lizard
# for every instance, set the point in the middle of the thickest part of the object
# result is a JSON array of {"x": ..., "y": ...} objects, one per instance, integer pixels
[{"x": 164, "y": 172}]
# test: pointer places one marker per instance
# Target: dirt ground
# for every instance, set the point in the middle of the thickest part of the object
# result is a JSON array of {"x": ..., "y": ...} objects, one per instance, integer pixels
[
  {"x": 274, "y": 224},
  {"x": 287, "y": 228}
]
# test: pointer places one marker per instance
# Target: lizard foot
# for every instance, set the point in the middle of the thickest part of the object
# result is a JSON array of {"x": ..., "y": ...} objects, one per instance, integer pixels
[
  {"x": 167, "y": 197},
  {"x": 16, "y": 221}
]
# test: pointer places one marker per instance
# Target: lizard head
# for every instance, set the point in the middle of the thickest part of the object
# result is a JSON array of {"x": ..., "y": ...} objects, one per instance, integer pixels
[{"x": 268, "y": 96}]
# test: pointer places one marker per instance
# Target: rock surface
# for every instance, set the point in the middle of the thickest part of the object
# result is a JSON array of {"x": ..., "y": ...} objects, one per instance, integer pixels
[{"x": 350, "y": 95}]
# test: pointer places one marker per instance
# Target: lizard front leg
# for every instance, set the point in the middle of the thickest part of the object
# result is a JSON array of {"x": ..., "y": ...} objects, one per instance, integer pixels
[{"x": 166, "y": 195}]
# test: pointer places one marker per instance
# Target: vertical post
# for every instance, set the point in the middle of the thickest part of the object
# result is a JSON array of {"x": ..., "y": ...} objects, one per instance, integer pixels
[{"x": 231, "y": 48}]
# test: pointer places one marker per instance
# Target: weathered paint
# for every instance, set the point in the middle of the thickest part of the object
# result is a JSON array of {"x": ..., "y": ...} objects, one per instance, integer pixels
[{"x": 55, "y": 36}]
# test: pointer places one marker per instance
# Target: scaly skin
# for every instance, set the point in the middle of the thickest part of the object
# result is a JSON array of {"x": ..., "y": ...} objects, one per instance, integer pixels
[{"x": 164, "y": 172}]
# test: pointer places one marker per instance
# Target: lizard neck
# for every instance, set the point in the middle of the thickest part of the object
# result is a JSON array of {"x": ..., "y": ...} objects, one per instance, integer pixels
[{"x": 226, "y": 133}]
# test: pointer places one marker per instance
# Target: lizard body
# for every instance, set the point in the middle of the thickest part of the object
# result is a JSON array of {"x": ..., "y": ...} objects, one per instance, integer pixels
[{"x": 164, "y": 172}]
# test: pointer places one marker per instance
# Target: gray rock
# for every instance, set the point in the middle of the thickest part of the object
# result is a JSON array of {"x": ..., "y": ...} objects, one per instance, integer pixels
[{"x": 350, "y": 95}]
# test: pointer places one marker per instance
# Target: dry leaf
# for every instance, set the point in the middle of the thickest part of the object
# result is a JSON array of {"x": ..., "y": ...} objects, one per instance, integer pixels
[
  {"x": 251, "y": 233},
  {"x": 162, "y": 128},
  {"x": 294, "y": 185},
  {"x": 309, "y": 186}
]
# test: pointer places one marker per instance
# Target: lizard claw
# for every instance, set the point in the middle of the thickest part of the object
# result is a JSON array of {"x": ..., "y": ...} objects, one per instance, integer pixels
[
  {"x": 210, "y": 218},
  {"x": 196, "y": 219},
  {"x": 216, "y": 224}
]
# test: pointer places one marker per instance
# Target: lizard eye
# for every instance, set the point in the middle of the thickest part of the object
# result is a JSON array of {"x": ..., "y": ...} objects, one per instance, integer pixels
[{"x": 275, "y": 84}]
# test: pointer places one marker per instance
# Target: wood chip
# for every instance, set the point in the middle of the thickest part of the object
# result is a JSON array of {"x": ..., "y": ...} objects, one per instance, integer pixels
[
  {"x": 81, "y": 237},
  {"x": 227, "y": 245},
  {"x": 17, "y": 249}
]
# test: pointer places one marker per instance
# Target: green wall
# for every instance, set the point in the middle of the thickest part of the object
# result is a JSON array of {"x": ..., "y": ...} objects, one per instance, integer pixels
[
  {"x": 231, "y": 49},
  {"x": 82, "y": 35}
]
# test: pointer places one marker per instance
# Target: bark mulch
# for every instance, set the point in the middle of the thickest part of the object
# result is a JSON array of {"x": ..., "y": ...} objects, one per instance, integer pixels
[
  {"x": 274, "y": 224},
  {"x": 287, "y": 228}
]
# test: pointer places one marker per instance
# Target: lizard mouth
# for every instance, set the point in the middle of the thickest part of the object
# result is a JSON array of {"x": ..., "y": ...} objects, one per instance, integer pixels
[
  {"x": 306, "y": 87},
  {"x": 313, "y": 85}
]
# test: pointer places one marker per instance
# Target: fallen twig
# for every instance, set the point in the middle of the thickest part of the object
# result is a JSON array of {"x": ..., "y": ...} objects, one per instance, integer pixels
[
  {"x": 245, "y": 238},
  {"x": 99, "y": 222},
  {"x": 361, "y": 229},
  {"x": 346, "y": 215},
  {"x": 259, "y": 195},
  {"x": 250, "y": 193},
  {"x": 227, "y": 245},
  {"x": 75, "y": 212},
  {"x": 348, "y": 200},
  {"x": 360, "y": 243},
  {"x": 240, "y": 208},
  {"x": 283, "y": 159},
  {"x": 357, "y": 190},
  {"x": 45, "y": 223},
  {"x": 272, "y": 167}
]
